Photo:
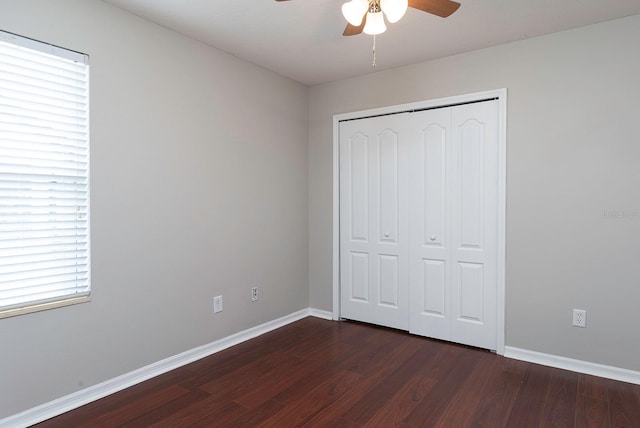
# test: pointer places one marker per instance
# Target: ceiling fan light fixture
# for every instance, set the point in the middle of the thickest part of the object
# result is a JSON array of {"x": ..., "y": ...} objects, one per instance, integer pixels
[
  {"x": 394, "y": 9},
  {"x": 354, "y": 10},
  {"x": 375, "y": 24}
]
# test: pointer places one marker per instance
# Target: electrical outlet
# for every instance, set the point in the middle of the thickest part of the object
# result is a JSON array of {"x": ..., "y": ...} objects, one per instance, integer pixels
[
  {"x": 254, "y": 294},
  {"x": 217, "y": 304},
  {"x": 579, "y": 318}
]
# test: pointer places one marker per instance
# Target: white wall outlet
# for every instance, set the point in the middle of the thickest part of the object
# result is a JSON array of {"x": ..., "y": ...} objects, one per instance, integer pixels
[
  {"x": 217, "y": 304},
  {"x": 254, "y": 294},
  {"x": 579, "y": 318}
]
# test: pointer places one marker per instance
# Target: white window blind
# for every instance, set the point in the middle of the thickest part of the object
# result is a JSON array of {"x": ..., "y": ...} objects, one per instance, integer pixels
[{"x": 44, "y": 176}]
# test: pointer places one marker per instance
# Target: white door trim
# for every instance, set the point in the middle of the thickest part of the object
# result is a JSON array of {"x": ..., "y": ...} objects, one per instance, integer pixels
[{"x": 501, "y": 96}]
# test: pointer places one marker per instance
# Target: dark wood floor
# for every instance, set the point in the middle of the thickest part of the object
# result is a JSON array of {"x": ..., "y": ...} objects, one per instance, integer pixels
[{"x": 318, "y": 373}]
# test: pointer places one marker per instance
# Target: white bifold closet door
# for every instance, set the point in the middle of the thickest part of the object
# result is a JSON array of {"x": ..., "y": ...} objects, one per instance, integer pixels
[
  {"x": 418, "y": 222},
  {"x": 453, "y": 224},
  {"x": 374, "y": 251}
]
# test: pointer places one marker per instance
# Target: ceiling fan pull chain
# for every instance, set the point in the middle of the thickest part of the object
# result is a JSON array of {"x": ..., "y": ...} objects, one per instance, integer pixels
[{"x": 374, "y": 50}]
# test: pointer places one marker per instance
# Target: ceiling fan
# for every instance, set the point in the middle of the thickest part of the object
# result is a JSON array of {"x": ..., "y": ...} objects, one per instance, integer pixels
[{"x": 367, "y": 15}]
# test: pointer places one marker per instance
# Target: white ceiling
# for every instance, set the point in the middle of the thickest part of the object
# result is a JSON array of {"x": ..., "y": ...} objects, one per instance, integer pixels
[{"x": 302, "y": 39}]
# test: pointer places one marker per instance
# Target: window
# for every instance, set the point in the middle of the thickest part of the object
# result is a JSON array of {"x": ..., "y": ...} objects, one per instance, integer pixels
[{"x": 44, "y": 176}]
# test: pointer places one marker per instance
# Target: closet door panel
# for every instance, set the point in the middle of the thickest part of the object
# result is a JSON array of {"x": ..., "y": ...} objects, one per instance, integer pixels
[
  {"x": 389, "y": 281},
  {"x": 475, "y": 204},
  {"x": 471, "y": 302},
  {"x": 359, "y": 177},
  {"x": 373, "y": 221},
  {"x": 430, "y": 276},
  {"x": 434, "y": 150},
  {"x": 435, "y": 288},
  {"x": 388, "y": 187},
  {"x": 470, "y": 174},
  {"x": 359, "y": 281}
]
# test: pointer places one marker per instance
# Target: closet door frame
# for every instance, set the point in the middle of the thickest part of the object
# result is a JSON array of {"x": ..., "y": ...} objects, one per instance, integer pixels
[{"x": 501, "y": 96}]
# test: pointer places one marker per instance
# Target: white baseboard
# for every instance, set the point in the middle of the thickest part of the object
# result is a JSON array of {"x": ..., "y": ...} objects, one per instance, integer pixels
[
  {"x": 579, "y": 366},
  {"x": 80, "y": 398},
  {"x": 326, "y": 315}
]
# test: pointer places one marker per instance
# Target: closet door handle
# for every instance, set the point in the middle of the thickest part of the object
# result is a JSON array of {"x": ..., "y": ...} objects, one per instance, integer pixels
[
  {"x": 386, "y": 234},
  {"x": 432, "y": 237}
]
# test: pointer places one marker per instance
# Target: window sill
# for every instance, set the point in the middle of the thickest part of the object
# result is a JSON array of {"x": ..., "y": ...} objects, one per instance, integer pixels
[{"x": 43, "y": 306}]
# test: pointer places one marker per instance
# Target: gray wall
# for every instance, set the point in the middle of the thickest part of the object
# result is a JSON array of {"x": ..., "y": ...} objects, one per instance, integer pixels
[
  {"x": 573, "y": 152},
  {"x": 199, "y": 188}
]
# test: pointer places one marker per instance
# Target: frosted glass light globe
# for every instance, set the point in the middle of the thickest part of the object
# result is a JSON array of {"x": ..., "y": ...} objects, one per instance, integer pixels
[
  {"x": 375, "y": 24},
  {"x": 394, "y": 9},
  {"x": 354, "y": 10}
]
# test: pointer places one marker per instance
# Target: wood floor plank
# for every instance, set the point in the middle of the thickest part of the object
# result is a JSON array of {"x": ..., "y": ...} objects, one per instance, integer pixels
[
  {"x": 133, "y": 409},
  {"x": 372, "y": 403},
  {"x": 382, "y": 348},
  {"x": 527, "y": 408},
  {"x": 160, "y": 413},
  {"x": 238, "y": 385},
  {"x": 204, "y": 413},
  {"x": 452, "y": 373},
  {"x": 624, "y": 404},
  {"x": 263, "y": 346},
  {"x": 318, "y": 366},
  {"x": 244, "y": 377},
  {"x": 591, "y": 412},
  {"x": 257, "y": 416},
  {"x": 318, "y": 373},
  {"x": 559, "y": 405},
  {"x": 400, "y": 405},
  {"x": 272, "y": 383},
  {"x": 334, "y": 340},
  {"x": 499, "y": 393},
  {"x": 593, "y": 387},
  {"x": 386, "y": 360},
  {"x": 113, "y": 402},
  {"x": 344, "y": 423},
  {"x": 213, "y": 367},
  {"x": 461, "y": 408},
  {"x": 308, "y": 405}
]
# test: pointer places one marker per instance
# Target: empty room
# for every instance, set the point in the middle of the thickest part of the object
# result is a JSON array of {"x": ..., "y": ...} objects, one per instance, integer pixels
[{"x": 319, "y": 213}]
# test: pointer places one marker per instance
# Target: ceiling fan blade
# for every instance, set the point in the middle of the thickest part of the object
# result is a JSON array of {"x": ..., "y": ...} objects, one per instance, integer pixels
[
  {"x": 352, "y": 30},
  {"x": 442, "y": 8}
]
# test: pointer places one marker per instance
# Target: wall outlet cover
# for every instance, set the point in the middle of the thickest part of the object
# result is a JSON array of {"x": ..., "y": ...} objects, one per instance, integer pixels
[
  {"x": 217, "y": 304},
  {"x": 580, "y": 318}
]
